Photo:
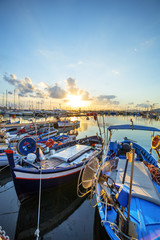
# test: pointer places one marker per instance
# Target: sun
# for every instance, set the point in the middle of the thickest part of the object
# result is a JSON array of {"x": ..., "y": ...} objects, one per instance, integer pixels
[{"x": 75, "y": 101}]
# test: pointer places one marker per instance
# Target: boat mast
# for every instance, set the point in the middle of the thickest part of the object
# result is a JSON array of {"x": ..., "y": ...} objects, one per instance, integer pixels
[{"x": 131, "y": 181}]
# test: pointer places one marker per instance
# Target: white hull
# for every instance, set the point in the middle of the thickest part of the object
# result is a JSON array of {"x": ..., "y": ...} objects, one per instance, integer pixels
[{"x": 64, "y": 124}]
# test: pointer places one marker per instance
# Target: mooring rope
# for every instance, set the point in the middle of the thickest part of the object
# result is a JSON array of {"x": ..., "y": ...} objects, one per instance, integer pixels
[
  {"x": 3, "y": 234},
  {"x": 39, "y": 207},
  {"x": 4, "y": 167}
]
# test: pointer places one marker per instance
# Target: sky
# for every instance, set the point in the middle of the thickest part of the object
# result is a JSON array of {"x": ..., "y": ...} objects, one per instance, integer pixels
[{"x": 102, "y": 54}]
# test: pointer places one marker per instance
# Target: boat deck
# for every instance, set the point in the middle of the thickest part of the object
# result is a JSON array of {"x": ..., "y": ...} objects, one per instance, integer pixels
[
  {"x": 67, "y": 157},
  {"x": 142, "y": 186},
  {"x": 64, "y": 158}
]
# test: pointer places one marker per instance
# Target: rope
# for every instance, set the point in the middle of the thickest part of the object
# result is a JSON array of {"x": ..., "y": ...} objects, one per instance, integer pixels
[
  {"x": 6, "y": 189},
  {"x": 39, "y": 206},
  {"x": 4, "y": 167},
  {"x": 3, "y": 234},
  {"x": 155, "y": 172}
]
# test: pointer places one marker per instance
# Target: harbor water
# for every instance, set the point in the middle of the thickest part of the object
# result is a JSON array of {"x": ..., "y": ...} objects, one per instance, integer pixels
[{"x": 63, "y": 215}]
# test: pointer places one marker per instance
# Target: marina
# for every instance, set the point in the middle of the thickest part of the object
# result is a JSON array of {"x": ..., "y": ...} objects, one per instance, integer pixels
[
  {"x": 58, "y": 220},
  {"x": 79, "y": 120}
]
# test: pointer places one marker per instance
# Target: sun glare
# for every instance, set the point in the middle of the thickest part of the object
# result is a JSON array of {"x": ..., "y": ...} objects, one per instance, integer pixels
[{"x": 75, "y": 101}]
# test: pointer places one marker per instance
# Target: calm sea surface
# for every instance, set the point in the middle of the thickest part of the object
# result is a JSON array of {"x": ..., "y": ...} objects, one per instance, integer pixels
[{"x": 63, "y": 215}]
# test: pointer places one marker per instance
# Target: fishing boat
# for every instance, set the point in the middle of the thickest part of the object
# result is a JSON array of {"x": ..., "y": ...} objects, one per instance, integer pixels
[
  {"x": 61, "y": 165},
  {"x": 127, "y": 186},
  {"x": 39, "y": 134}
]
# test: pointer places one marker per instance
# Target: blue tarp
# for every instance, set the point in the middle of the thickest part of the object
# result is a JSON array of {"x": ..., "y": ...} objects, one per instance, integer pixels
[{"x": 133, "y": 127}]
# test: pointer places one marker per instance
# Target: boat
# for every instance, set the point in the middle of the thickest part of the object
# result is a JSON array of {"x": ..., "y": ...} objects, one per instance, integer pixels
[
  {"x": 61, "y": 165},
  {"x": 39, "y": 134},
  {"x": 3, "y": 157},
  {"x": 27, "y": 113},
  {"x": 68, "y": 123},
  {"x": 127, "y": 186},
  {"x": 4, "y": 145},
  {"x": 30, "y": 125}
]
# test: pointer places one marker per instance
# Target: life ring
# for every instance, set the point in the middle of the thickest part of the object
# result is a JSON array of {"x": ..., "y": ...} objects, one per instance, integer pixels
[
  {"x": 49, "y": 143},
  {"x": 155, "y": 144}
]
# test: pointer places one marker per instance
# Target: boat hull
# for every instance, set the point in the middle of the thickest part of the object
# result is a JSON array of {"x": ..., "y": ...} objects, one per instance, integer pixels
[
  {"x": 64, "y": 124},
  {"x": 47, "y": 174},
  {"x": 28, "y": 183},
  {"x": 143, "y": 213}
]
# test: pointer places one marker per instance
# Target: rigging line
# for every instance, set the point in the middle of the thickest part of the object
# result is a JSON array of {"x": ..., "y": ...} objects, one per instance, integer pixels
[
  {"x": 99, "y": 127},
  {"x": 7, "y": 213},
  {"x": 39, "y": 206},
  {"x": 6, "y": 189},
  {"x": 4, "y": 167},
  {"x": 104, "y": 125}
]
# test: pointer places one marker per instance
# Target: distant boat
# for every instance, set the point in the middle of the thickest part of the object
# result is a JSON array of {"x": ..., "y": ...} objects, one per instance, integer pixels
[
  {"x": 41, "y": 134},
  {"x": 27, "y": 113},
  {"x": 5, "y": 122},
  {"x": 56, "y": 168},
  {"x": 128, "y": 187},
  {"x": 3, "y": 157},
  {"x": 68, "y": 123},
  {"x": 4, "y": 145}
]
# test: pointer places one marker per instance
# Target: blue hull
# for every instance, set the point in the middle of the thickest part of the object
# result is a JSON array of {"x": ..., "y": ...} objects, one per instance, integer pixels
[{"x": 144, "y": 213}]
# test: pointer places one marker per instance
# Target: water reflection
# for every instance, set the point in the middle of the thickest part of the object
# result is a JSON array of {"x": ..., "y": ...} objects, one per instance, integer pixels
[
  {"x": 56, "y": 206},
  {"x": 63, "y": 214},
  {"x": 9, "y": 207},
  {"x": 99, "y": 230},
  {"x": 5, "y": 176}
]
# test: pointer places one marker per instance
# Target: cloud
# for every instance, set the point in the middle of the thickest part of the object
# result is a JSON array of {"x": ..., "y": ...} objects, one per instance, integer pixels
[
  {"x": 46, "y": 53},
  {"x": 41, "y": 94},
  {"x": 148, "y": 43},
  {"x": 106, "y": 97},
  {"x": 24, "y": 85},
  {"x": 42, "y": 86},
  {"x": 143, "y": 105},
  {"x": 71, "y": 85},
  {"x": 56, "y": 92},
  {"x": 12, "y": 79},
  {"x": 115, "y": 72},
  {"x": 74, "y": 65},
  {"x": 148, "y": 105},
  {"x": 115, "y": 102},
  {"x": 85, "y": 95}
]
